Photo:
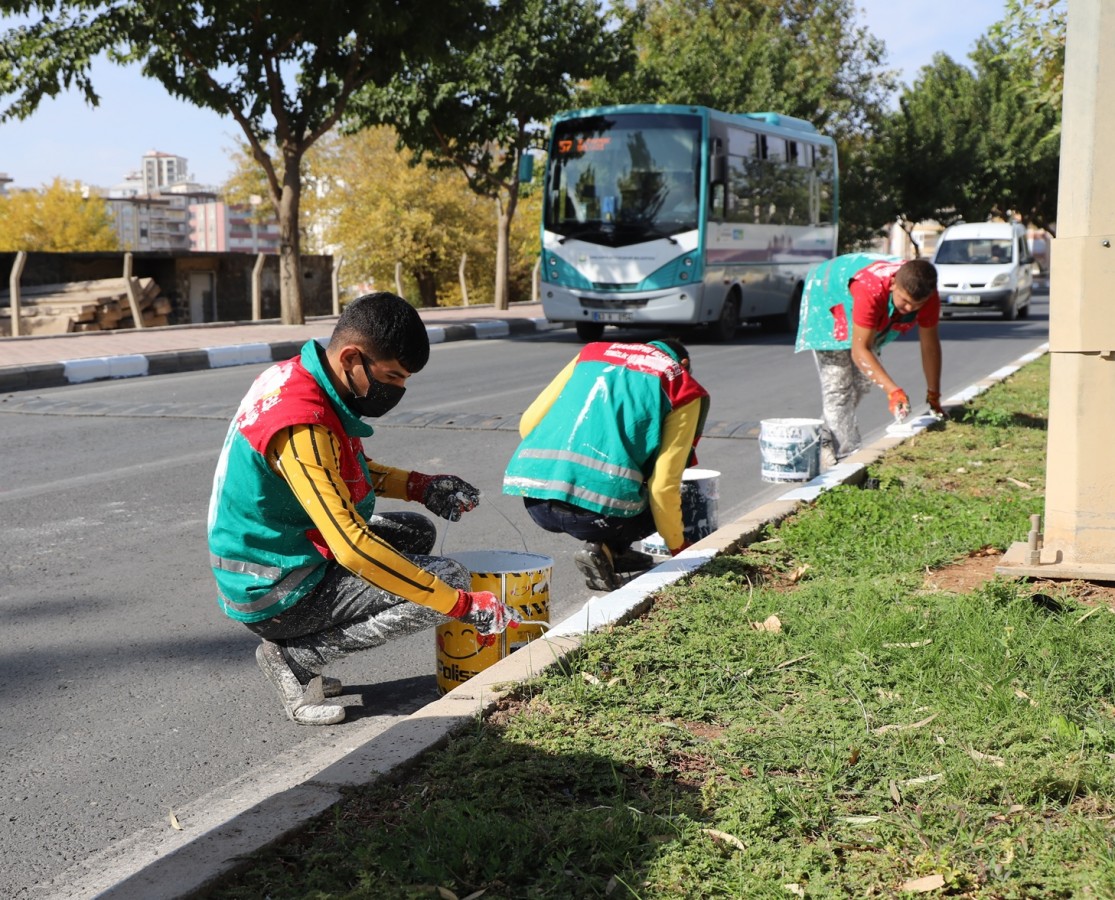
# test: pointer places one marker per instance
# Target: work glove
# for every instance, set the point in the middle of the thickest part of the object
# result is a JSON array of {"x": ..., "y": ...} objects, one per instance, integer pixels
[
  {"x": 933, "y": 398},
  {"x": 444, "y": 495},
  {"x": 899, "y": 404},
  {"x": 485, "y": 612}
]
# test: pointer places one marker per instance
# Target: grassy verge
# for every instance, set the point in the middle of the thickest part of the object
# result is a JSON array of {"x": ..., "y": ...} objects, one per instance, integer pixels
[{"x": 808, "y": 717}]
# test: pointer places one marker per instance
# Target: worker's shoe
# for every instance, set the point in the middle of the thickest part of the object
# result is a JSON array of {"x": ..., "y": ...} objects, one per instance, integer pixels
[
  {"x": 303, "y": 704},
  {"x": 632, "y": 560},
  {"x": 595, "y": 562},
  {"x": 828, "y": 457},
  {"x": 330, "y": 687}
]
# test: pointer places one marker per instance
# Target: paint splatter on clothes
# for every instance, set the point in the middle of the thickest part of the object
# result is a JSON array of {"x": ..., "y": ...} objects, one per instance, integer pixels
[{"x": 345, "y": 614}]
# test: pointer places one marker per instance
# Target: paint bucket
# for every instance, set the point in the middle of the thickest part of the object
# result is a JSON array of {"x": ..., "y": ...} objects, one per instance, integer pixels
[
  {"x": 520, "y": 580},
  {"x": 700, "y": 509},
  {"x": 791, "y": 449}
]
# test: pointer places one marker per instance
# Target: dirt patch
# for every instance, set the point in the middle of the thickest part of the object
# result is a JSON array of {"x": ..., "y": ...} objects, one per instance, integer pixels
[{"x": 968, "y": 574}]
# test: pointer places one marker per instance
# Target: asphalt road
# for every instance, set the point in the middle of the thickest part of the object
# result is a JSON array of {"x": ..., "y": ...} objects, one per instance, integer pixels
[{"x": 129, "y": 698}]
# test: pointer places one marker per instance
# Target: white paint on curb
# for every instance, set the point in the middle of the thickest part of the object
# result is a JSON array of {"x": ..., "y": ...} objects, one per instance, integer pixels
[
  {"x": 78, "y": 371},
  {"x": 238, "y": 355},
  {"x": 495, "y": 329}
]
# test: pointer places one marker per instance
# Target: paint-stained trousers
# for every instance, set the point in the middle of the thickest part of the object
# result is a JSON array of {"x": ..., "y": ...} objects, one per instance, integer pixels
[
  {"x": 843, "y": 385},
  {"x": 344, "y": 613}
]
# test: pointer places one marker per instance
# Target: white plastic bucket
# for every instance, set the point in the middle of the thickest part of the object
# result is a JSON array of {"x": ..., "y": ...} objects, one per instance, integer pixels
[
  {"x": 790, "y": 449},
  {"x": 700, "y": 509}
]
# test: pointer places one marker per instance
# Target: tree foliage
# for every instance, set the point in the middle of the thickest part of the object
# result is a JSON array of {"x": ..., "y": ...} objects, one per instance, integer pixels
[
  {"x": 980, "y": 142},
  {"x": 61, "y": 218},
  {"x": 382, "y": 210},
  {"x": 484, "y": 106},
  {"x": 284, "y": 70}
]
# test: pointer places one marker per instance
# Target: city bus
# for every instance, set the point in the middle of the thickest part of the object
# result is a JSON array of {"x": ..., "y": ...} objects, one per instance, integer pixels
[{"x": 667, "y": 215}]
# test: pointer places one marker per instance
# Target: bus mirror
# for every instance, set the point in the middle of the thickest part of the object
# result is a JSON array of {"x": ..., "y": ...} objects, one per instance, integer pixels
[
  {"x": 526, "y": 169},
  {"x": 718, "y": 169}
]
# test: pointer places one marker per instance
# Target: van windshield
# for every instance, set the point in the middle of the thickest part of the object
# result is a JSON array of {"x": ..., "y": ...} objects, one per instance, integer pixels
[{"x": 974, "y": 251}]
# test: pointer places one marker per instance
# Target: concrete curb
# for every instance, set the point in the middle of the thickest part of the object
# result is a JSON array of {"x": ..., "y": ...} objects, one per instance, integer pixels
[
  {"x": 155, "y": 864},
  {"x": 100, "y": 368}
]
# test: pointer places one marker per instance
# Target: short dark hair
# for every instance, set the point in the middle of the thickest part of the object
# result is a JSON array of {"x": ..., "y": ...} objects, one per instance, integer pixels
[
  {"x": 917, "y": 277},
  {"x": 389, "y": 326}
]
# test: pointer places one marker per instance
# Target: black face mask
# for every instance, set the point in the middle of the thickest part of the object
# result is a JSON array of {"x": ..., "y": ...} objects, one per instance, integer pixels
[{"x": 380, "y": 399}]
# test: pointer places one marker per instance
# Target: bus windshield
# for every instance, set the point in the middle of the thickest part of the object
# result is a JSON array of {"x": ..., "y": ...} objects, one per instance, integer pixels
[{"x": 624, "y": 178}]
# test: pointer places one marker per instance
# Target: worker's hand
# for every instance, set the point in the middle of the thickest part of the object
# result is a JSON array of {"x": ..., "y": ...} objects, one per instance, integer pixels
[
  {"x": 684, "y": 546},
  {"x": 899, "y": 404},
  {"x": 444, "y": 495},
  {"x": 933, "y": 398},
  {"x": 485, "y": 612}
]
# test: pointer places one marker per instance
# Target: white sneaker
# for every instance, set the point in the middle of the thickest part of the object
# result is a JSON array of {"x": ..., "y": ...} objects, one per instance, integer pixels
[{"x": 304, "y": 705}]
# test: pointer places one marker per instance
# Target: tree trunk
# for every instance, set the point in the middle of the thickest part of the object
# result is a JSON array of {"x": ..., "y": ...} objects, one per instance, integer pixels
[
  {"x": 290, "y": 244},
  {"x": 427, "y": 288},
  {"x": 505, "y": 213}
]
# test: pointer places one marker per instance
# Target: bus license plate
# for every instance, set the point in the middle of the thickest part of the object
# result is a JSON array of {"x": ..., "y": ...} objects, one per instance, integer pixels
[
  {"x": 612, "y": 317},
  {"x": 963, "y": 300}
]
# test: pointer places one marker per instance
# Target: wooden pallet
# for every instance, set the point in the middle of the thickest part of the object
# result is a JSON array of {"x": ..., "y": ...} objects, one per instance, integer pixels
[{"x": 101, "y": 305}]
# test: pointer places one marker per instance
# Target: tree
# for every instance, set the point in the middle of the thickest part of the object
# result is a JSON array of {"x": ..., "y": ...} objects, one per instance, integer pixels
[
  {"x": 284, "y": 71},
  {"x": 59, "y": 219},
  {"x": 972, "y": 143},
  {"x": 926, "y": 152},
  {"x": 482, "y": 108},
  {"x": 382, "y": 210}
]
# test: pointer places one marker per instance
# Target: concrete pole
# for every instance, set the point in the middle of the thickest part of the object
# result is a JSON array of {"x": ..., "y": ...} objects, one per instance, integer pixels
[
  {"x": 257, "y": 287},
  {"x": 13, "y": 290},
  {"x": 1079, "y": 527},
  {"x": 133, "y": 292},
  {"x": 336, "y": 283}
]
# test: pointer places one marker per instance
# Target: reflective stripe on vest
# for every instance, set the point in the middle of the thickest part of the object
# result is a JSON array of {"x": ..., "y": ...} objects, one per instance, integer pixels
[{"x": 273, "y": 596}]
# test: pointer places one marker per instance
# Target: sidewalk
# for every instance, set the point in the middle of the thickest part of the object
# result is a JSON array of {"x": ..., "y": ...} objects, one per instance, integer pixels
[{"x": 41, "y": 361}]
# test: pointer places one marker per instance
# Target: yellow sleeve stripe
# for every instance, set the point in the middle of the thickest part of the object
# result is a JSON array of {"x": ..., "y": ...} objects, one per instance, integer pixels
[{"x": 307, "y": 456}]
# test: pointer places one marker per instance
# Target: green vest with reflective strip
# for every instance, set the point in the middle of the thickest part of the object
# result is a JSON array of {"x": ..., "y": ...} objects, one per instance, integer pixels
[
  {"x": 597, "y": 444},
  {"x": 265, "y": 551}
]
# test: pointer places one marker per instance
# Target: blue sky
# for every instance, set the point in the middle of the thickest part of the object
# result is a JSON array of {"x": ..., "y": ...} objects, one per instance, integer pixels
[{"x": 66, "y": 138}]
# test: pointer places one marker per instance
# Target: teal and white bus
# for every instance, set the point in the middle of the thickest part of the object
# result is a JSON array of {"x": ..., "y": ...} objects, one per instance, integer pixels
[{"x": 680, "y": 215}]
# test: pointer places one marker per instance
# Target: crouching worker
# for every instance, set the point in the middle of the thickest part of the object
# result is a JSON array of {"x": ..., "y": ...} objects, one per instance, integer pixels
[
  {"x": 299, "y": 554},
  {"x": 603, "y": 451},
  {"x": 852, "y": 306}
]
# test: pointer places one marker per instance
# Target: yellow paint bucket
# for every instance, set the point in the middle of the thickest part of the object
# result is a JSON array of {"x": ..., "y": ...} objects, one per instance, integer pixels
[{"x": 520, "y": 580}]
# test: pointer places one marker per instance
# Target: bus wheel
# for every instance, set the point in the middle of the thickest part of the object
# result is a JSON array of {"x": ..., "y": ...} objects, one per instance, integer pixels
[
  {"x": 788, "y": 321},
  {"x": 590, "y": 331},
  {"x": 725, "y": 328}
]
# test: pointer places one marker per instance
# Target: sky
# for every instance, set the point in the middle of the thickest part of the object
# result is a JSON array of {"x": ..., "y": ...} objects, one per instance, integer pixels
[{"x": 65, "y": 138}]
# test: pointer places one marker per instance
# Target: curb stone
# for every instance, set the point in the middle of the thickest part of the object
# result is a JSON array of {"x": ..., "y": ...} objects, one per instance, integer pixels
[
  {"x": 156, "y": 865},
  {"x": 103, "y": 368}
]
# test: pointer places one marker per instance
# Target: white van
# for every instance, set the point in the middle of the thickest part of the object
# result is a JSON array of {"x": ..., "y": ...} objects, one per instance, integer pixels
[{"x": 985, "y": 265}]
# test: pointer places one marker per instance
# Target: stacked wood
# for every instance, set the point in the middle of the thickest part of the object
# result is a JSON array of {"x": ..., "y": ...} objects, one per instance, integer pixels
[{"x": 100, "y": 305}]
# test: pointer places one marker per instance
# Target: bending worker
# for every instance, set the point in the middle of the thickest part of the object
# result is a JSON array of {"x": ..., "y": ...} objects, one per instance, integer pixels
[
  {"x": 603, "y": 451},
  {"x": 299, "y": 554},
  {"x": 852, "y": 306}
]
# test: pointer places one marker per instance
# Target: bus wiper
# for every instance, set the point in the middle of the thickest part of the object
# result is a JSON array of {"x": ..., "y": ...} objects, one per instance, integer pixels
[
  {"x": 592, "y": 228},
  {"x": 652, "y": 230}
]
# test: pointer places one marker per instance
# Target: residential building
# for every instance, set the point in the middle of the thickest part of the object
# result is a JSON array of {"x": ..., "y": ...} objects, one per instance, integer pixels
[{"x": 217, "y": 226}]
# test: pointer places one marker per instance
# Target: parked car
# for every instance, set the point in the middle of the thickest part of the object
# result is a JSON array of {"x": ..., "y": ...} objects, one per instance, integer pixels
[{"x": 985, "y": 265}]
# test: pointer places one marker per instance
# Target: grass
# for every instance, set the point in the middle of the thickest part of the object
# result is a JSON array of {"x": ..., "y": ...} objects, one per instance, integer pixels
[{"x": 803, "y": 718}]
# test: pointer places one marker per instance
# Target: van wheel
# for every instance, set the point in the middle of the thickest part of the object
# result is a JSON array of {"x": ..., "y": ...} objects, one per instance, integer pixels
[
  {"x": 590, "y": 331},
  {"x": 1024, "y": 313},
  {"x": 725, "y": 328},
  {"x": 1010, "y": 309}
]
